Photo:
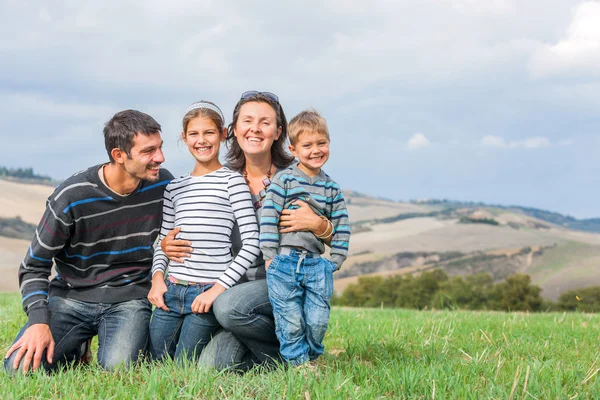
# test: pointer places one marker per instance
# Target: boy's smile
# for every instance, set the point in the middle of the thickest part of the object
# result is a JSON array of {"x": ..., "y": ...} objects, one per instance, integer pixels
[{"x": 312, "y": 150}]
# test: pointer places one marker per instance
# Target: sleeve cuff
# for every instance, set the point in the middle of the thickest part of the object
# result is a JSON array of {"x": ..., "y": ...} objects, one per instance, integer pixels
[
  {"x": 39, "y": 316},
  {"x": 268, "y": 253}
]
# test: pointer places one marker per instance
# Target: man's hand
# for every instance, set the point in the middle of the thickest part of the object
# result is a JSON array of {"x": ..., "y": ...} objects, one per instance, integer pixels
[
  {"x": 176, "y": 249},
  {"x": 268, "y": 263},
  {"x": 203, "y": 302},
  {"x": 31, "y": 346},
  {"x": 156, "y": 296}
]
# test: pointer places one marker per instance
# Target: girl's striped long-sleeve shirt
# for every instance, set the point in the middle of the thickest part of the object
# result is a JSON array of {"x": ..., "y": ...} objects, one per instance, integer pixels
[
  {"x": 325, "y": 198},
  {"x": 100, "y": 242},
  {"x": 206, "y": 208}
]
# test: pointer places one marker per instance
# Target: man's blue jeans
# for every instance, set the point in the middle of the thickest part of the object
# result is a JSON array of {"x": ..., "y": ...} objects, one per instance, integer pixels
[
  {"x": 122, "y": 330},
  {"x": 248, "y": 337},
  {"x": 300, "y": 288},
  {"x": 180, "y": 333}
]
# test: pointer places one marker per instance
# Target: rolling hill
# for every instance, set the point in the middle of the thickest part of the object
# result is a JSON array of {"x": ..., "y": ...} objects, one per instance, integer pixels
[{"x": 391, "y": 237}]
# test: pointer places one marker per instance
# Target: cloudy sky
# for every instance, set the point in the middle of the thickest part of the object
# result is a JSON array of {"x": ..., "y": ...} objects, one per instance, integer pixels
[{"x": 482, "y": 100}]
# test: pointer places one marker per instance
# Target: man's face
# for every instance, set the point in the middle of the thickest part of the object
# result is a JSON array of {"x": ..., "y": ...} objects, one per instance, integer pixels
[{"x": 146, "y": 157}]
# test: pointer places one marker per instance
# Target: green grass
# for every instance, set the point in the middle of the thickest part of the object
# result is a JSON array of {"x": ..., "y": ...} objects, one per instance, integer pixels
[{"x": 370, "y": 353}]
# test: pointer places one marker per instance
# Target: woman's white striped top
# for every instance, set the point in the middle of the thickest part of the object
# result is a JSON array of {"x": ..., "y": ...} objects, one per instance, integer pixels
[{"x": 206, "y": 208}]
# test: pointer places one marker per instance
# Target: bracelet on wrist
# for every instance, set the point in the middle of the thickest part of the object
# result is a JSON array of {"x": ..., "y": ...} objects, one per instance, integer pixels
[
  {"x": 326, "y": 228},
  {"x": 328, "y": 231}
]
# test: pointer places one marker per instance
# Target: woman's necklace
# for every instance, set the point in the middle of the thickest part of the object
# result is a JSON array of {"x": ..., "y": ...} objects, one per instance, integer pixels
[{"x": 263, "y": 193}]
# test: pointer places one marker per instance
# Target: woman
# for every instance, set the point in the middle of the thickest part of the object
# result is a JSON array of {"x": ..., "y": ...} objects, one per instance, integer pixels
[{"x": 257, "y": 137}]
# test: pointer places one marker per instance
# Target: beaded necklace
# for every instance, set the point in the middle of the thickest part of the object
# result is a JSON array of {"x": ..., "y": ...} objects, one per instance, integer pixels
[{"x": 263, "y": 193}]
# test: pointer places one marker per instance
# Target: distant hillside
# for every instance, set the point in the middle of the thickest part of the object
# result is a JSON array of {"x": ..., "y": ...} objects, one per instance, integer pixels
[
  {"x": 25, "y": 175},
  {"x": 16, "y": 228},
  {"x": 587, "y": 225}
]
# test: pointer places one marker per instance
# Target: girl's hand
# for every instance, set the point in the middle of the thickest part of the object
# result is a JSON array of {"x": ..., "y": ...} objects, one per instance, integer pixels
[
  {"x": 157, "y": 293},
  {"x": 176, "y": 249},
  {"x": 203, "y": 302},
  {"x": 267, "y": 263}
]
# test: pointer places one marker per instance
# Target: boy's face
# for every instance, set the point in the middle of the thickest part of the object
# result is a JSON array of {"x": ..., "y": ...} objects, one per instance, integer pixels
[{"x": 312, "y": 150}]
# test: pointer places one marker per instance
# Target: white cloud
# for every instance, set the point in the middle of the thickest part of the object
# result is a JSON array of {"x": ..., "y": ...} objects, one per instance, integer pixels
[
  {"x": 534, "y": 142},
  {"x": 418, "y": 141},
  {"x": 493, "y": 141},
  {"x": 566, "y": 142},
  {"x": 578, "y": 51}
]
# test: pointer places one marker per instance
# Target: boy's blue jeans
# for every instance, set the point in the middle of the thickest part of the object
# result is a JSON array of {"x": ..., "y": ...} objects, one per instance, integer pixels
[
  {"x": 180, "y": 333},
  {"x": 122, "y": 330},
  {"x": 300, "y": 288}
]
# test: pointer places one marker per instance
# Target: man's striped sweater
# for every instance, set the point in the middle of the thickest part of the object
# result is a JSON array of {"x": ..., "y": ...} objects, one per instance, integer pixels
[
  {"x": 101, "y": 243},
  {"x": 325, "y": 198}
]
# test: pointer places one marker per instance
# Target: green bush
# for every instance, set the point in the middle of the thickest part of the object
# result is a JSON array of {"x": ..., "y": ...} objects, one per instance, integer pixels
[
  {"x": 584, "y": 300},
  {"x": 435, "y": 289}
]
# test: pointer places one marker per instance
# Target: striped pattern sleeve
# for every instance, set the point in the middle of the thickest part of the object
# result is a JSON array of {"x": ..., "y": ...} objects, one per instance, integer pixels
[
  {"x": 160, "y": 260},
  {"x": 51, "y": 236},
  {"x": 271, "y": 211},
  {"x": 341, "y": 229},
  {"x": 241, "y": 203}
]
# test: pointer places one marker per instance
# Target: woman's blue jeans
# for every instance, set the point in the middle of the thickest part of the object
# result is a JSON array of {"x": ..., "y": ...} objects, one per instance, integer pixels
[{"x": 248, "y": 337}]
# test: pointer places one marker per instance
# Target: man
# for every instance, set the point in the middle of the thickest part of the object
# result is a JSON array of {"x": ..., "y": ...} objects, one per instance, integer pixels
[{"x": 99, "y": 228}]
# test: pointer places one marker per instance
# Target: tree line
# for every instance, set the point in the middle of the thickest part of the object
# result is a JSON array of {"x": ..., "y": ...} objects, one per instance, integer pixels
[
  {"x": 22, "y": 173},
  {"x": 436, "y": 290}
]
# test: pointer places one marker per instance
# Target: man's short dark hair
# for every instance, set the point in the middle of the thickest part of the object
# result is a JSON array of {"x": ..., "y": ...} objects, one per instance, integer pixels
[{"x": 124, "y": 126}]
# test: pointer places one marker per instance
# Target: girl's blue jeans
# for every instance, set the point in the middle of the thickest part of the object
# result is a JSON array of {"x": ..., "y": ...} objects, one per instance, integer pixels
[{"x": 179, "y": 333}]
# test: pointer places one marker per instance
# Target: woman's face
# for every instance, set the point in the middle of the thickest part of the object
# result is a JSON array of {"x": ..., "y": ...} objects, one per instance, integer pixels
[{"x": 256, "y": 128}]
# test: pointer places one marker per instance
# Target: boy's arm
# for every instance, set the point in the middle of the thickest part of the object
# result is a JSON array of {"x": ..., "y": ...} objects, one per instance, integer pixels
[
  {"x": 341, "y": 229},
  {"x": 269, "y": 220}
]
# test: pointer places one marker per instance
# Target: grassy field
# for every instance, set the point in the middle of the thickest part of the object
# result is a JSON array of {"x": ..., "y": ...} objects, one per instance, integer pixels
[{"x": 370, "y": 354}]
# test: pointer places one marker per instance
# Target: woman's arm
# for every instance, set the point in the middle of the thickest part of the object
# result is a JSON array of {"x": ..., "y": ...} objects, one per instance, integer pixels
[{"x": 303, "y": 219}]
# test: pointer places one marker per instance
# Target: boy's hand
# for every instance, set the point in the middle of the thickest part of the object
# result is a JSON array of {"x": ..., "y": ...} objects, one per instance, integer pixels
[
  {"x": 203, "y": 302},
  {"x": 268, "y": 263},
  {"x": 157, "y": 293},
  {"x": 176, "y": 249}
]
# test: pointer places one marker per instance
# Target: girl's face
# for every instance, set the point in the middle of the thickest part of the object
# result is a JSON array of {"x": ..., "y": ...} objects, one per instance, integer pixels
[
  {"x": 203, "y": 139},
  {"x": 256, "y": 128}
]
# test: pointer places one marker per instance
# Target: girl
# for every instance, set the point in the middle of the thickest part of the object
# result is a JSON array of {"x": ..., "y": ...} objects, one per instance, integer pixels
[{"x": 205, "y": 205}]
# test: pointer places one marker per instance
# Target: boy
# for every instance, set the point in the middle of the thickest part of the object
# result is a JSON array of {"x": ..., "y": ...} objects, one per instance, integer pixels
[{"x": 300, "y": 281}]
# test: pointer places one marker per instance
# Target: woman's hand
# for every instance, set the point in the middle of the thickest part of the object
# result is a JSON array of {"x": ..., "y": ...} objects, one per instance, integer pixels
[
  {"x": 302, "y": 219},
  {"x": 176, "y": 249},
  {"x": 157, "y": 293},
  {"x": 203, "y": 302}
]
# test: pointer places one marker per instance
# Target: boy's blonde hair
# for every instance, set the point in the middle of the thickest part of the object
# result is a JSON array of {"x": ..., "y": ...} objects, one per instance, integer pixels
[{"x": 307, "y": 121}]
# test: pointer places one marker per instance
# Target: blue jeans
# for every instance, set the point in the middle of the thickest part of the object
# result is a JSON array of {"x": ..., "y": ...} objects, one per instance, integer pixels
[
  {"x": 122, "y": 330},
  {"x": 180, "y": 333},
  {"x": 248, "y": 337},
  {"x": 300, "y": 288}
]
